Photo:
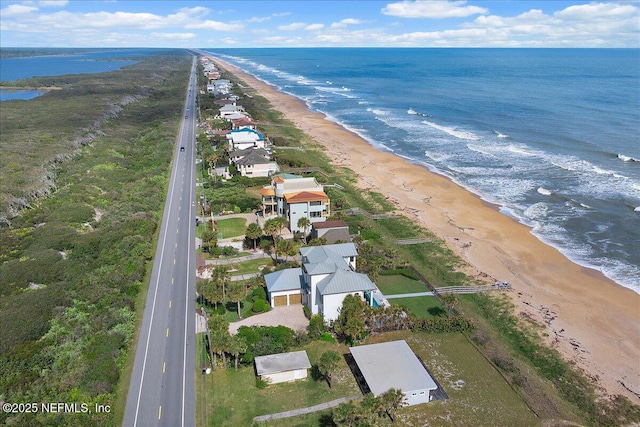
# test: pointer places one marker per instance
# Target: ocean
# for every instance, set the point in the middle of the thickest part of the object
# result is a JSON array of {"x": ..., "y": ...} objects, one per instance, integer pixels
[{"x": 552, "y": 136}]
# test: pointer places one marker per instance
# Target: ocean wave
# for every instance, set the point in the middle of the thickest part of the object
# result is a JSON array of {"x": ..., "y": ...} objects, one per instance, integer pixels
[
  {"x": 500, "y": 135},
  {"x": 627, "y": 158},
  {"x": 378, "y": 111},
  {"x": 537, "y": 211},
  {"x": 637, "y": 209},
  {"x": 413, "y": 112},
  {"x": 480, "y": 149},
  {"x": 544, "y": 191},
  {"x": 461, "y": 134}
]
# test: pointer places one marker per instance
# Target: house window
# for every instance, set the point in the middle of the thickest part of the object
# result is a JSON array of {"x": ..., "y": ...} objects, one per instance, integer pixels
[
  {"x": 315, "y": 203},
  {"x": 316, "y": 214}
]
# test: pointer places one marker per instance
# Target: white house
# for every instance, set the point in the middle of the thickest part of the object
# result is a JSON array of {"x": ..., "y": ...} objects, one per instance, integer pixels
[
  {"x": 254, "y": 162},
  {"x": 241, "y": 139},
  {"x": 294, "y": 197},
  {"x": 230, "y": 109},
  {"x": 327, "y": 276},
  {"x": 393, "y": 364},
  {"x": 283, "y": 367}
]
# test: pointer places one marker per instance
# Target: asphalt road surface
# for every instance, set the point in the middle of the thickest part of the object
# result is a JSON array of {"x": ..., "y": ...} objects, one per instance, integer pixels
[{"x": 162, "y": 388}]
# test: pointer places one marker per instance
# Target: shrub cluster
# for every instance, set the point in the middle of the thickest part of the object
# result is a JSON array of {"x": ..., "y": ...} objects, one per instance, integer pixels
[{"x": 444, "y": 324}]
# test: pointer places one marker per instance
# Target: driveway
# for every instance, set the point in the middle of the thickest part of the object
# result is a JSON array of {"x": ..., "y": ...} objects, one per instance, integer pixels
[{"x": 291, "y": 316}]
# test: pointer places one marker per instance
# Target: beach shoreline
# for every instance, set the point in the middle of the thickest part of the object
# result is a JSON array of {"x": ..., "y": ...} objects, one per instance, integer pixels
[{"x": 590, "y": 319}]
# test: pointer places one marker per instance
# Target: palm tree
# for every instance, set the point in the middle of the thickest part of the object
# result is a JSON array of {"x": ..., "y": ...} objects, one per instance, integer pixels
[
  {"x": 253, "y": 232},
  {"x": 222, "y": 275},
  {"x": 217, "y": 333},
  {"x": 236, "y": 346},
  {"x": 449, "y": 300},
  {"x": 328, "y": 364},
  {"x": 236, "y": 293},
  {"x": 304, "y": 223},
  {"x": 391, "y": 401},
  {"x": 271, "y": 228}
]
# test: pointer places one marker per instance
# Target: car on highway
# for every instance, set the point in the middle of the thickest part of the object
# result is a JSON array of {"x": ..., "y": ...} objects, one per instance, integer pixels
[
  {"x": 181, "y": 148},
  {"x": 186, "y": 117}
]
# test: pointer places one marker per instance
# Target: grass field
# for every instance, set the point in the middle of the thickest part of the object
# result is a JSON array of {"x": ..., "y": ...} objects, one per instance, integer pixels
[
  {"x": 231, "y": 227},
  {"x": 425, "y": 307},
  {"x": 231, "y": 397},
  {"x": 398, "y": 284}
]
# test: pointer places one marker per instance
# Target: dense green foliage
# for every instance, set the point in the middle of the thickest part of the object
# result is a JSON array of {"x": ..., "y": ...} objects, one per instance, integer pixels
[
  {"x": 263, "y": 340},
  {"x": 74, "y": 265}
]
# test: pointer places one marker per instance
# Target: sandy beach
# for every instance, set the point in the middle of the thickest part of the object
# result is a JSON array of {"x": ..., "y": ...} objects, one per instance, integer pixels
[{"x": 588, "y": 318}]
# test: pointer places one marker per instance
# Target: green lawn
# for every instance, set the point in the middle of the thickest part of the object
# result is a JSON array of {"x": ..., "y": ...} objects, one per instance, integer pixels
[
  {"x": 231, "y": 398},
  {"x": 231, "y": 227},
  {"x": 399, "y": 284},
  {"x": 425, "y": 307},
  {"x": 251, "y": 266}
]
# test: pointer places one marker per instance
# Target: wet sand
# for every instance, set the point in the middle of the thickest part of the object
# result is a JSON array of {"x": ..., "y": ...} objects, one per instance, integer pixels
[{"x": 588, "y": 318}]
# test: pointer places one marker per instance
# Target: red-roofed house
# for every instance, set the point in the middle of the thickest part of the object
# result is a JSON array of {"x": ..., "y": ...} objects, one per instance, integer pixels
[{"x": 295, "y": 197}]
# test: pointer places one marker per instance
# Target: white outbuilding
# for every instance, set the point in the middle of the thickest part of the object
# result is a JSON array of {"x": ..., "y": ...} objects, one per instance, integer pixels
[{"x": 283, "y": 367}]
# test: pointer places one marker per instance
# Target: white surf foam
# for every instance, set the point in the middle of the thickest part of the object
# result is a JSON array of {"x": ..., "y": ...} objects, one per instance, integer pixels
[
  {"x": 544, "y": 191},
  {"x": 461, "y": 134},
  {"x": 500, "y": 135},
  {"x": 627, "y": 158}
]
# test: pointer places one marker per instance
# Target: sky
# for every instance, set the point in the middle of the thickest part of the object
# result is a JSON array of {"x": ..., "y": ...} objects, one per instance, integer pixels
[{"x": 308, "y": 23}]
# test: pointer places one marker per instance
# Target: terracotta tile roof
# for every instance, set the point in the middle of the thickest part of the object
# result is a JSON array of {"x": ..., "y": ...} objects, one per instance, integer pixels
[
  {"x": 306, "y": 196},
  {"x": 267, "y": 191}
]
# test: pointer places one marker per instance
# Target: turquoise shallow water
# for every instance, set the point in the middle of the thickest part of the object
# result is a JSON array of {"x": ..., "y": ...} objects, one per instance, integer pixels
[{"x": 551, "y": 135}]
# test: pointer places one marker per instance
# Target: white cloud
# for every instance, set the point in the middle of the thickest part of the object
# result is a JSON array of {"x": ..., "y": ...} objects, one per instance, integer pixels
[
  {"x": 174, "y": 36},
  {"x": 589, "y": 25},
  {"x": 314, "y": 27},
  {"x": 214, "y": 26},
  {"x": 14, "y": 10},
  {"x": 53, "y": 3},
  {"x": 347, "y": 21},
  {"x": 292, "y": 27},
  {"x": 432, "y": 9}
]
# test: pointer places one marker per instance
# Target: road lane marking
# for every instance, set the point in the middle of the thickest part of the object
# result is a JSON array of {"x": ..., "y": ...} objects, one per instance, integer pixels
[
  {"x": 176, "y": 245},
  {"x": 172, "y": 280},
  {"x": 164, "y": 367},
  {"x": 174, "y": 261},
  {"x": 167, "y": 332},
  {"x": 169, "y": 304},
  {"x": 160, "y": 412}
]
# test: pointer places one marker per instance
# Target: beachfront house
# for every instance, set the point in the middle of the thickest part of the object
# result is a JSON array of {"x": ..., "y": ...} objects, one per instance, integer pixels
[
  {"x": 241, "y": 139},
  {"x": 243, "y": 123},
  {"x": 283, "y": 367},
  {"x": 294, "y": 197},
  {"x": 231, "y": 110},
  {"x": 253, "y": 162},
  {"x": 326, "y": 277},
  {"x": 393, "y": 365}
]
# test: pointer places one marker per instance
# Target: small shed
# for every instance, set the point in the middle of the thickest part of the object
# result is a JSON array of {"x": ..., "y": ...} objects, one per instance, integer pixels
[
  {"x": 393, "y": 364},
  {"x": 332, "y": 231},
  {"x": 283, "y": 367}
]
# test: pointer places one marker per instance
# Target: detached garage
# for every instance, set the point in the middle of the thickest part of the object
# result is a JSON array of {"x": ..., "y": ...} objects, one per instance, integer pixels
[
  {"x": 284, "y": 287},
  {"x": 394, "y": 365},
  {"x": 283, "y": 367}
]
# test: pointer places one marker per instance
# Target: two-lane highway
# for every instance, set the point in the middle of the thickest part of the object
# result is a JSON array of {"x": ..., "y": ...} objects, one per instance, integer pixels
[{"x": 162, "y": 388}]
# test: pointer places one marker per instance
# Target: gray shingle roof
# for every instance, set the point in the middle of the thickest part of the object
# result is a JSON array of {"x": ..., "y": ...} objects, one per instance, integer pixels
[
  {"x": 282, "y": 362},
  {"x": 284, "y": 280},
  {"x": 345, "y": 281},
  {"x": 390, "y": 365}
]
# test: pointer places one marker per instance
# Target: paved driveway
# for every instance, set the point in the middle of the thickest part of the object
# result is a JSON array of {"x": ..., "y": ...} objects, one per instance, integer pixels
[{"x": 291, "y": 316}]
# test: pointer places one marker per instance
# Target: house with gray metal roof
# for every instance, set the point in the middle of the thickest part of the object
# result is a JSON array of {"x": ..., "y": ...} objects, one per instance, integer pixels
[
  {"x": 327, "y": 276},
  {"x": 393, "y": 365}
]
